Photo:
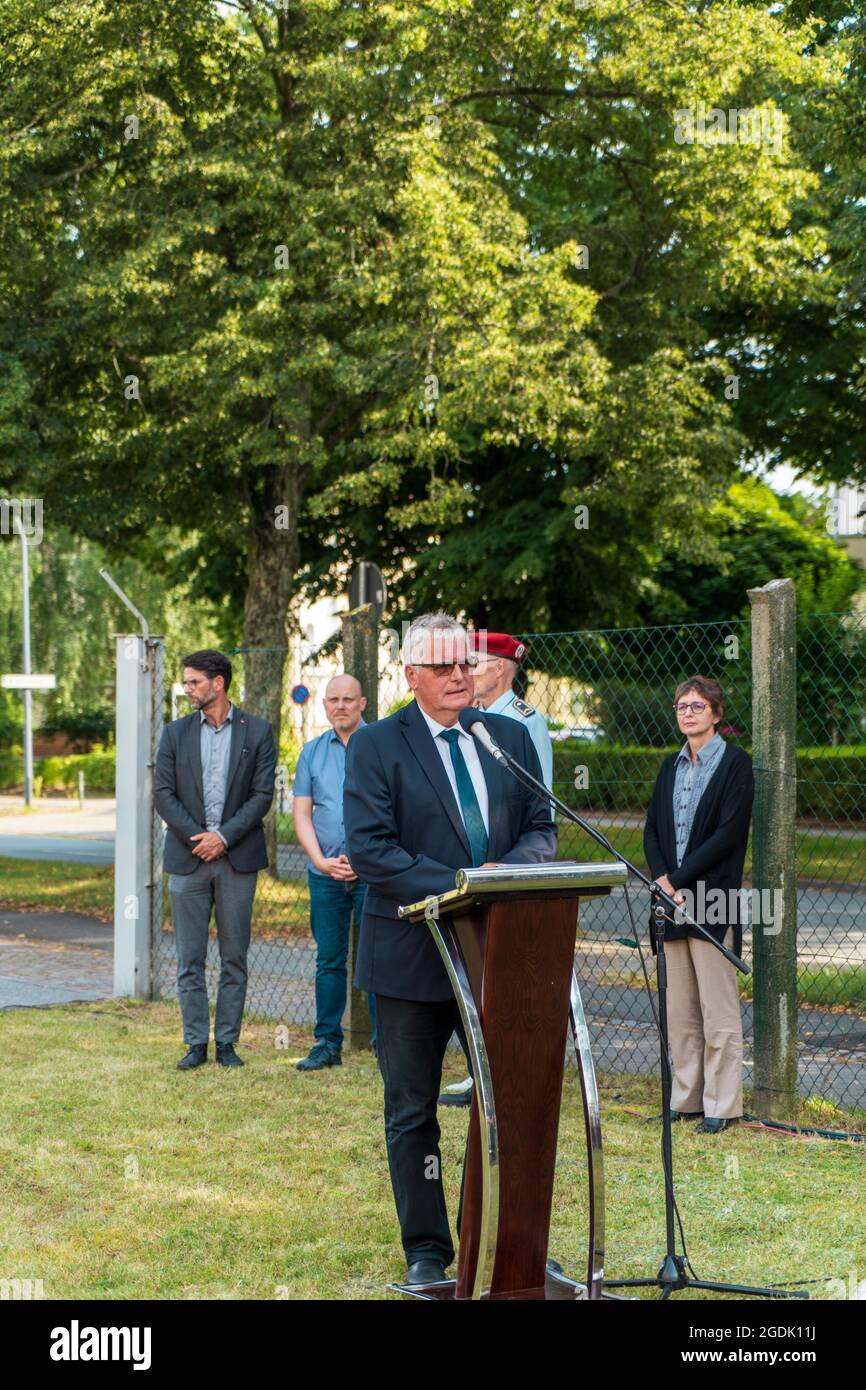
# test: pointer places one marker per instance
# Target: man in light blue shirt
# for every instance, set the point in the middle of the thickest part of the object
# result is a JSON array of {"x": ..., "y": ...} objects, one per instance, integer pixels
[{"x": 335, "y": 892}]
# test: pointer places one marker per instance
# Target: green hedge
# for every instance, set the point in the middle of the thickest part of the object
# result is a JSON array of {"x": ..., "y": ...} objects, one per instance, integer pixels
[
  {"x": 61, "y": 774},
  {"x": 11, "y": 769},
  {"x": 831, "y": 782}
]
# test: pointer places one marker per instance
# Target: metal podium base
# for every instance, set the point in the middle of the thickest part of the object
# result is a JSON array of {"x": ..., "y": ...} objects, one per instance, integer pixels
[
  {"x": 470, "y": 926},
  {"x": 557, "y": 1286}
]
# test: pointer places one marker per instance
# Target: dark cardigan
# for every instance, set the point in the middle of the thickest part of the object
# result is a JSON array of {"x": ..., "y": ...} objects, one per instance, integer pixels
[{"x": 716, "y": 849}]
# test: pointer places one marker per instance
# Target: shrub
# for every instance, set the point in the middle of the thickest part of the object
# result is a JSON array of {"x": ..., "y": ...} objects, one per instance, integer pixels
[
  {"x": 831, "y": 782},
  {"x": 62, "y": 773}
]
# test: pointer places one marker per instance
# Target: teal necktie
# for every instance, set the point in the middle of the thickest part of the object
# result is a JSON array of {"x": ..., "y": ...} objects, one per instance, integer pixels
[{"x": 471, "y": 811}]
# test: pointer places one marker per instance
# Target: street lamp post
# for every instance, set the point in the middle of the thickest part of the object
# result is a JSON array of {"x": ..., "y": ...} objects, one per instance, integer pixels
[{"x": 28, "y": 693}]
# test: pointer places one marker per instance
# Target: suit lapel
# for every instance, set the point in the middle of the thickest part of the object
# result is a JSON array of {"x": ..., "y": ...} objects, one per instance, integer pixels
[
  {"x": 193, "y": 752},
  {"x": 417, "y": 735},
  {"x": 239, "y": 738}
]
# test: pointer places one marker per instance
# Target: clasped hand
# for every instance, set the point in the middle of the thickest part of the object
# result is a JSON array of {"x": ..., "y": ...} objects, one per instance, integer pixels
[
  {"x": 210, "y": 845},
  {"x": 666, "y": 886},
  {"x": 338, "y": 867}
]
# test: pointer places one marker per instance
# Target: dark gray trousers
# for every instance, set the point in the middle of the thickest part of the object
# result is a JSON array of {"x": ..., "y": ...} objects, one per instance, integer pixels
[{"x": 214, "y": 885}]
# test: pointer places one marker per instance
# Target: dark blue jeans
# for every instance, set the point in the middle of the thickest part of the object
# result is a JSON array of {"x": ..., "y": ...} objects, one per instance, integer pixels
[{"x": 331, "y": 907}]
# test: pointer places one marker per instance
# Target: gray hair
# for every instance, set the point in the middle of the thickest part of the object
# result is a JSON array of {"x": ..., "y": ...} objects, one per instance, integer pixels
[{"x": 416, "y": 647}]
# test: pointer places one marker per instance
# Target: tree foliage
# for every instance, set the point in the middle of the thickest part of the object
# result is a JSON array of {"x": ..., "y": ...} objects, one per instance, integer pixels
[{"x": 305, "y": 282}]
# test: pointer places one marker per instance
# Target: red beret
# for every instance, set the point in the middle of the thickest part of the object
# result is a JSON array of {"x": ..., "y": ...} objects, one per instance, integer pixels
[{"x": 497, "y": 644}]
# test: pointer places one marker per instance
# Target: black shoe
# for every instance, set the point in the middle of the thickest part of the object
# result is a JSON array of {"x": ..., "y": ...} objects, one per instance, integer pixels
[
  {"x": 681, "y": 1115},
  {"x": 426, "y": 1271},
  {"x": 320, "y": 1057},
  {"x": 194, "y": 1058},
  {"x": 226, "y": 1055},
  {"x": 713, "y": 1126}
]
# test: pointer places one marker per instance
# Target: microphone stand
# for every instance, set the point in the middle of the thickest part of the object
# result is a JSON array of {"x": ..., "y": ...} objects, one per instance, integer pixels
[{"x": 673, "y": 1274}]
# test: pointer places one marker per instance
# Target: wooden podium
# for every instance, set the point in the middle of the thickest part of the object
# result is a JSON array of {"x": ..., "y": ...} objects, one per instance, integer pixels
[{"x": 507, "y": 936}]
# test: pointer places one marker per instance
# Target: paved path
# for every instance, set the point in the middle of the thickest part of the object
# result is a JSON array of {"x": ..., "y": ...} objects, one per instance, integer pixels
[
  {"x": 53, "y": 958},
  {"x": 832, "y": 921},
  {"x": 62, "y": 816},
  {"x": 69, "y": 849}
]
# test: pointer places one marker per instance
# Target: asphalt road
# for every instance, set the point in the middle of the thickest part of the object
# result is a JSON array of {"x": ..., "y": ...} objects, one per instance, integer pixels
[
  {"x": 59, "y": 958},
  {"x": 832, "y": 921},
  {"x": 66, "y": 849}
]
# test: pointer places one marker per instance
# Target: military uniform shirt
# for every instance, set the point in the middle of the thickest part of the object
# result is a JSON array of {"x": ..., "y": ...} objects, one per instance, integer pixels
[{"x": 536, "y": 726}]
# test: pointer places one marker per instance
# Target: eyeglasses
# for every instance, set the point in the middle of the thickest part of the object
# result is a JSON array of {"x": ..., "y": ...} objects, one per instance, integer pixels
[
  {"x": 696, "y": 706},
  {"x": 444, "y": 668}
]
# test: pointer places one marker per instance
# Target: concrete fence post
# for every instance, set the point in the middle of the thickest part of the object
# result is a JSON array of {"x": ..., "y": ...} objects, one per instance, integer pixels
[
  {"x": 360, "y": 659},
  {"x": 774, "y": 931},
  {"x": 361, "y": 654},
  {"x": 134, "y": 794}
]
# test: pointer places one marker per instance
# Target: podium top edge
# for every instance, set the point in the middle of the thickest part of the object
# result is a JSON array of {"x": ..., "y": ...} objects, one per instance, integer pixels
[{"x": 518, "y": 878}]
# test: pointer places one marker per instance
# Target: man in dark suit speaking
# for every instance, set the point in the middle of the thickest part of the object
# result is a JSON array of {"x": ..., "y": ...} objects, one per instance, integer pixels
[{"x": 421, "y": 800}]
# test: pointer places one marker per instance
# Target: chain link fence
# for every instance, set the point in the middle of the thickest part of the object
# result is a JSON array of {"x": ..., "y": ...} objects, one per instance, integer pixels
[
  {"x": 831, "y": 857},
  {"x": 607, "y": 696},
  {"x": 281, "y": 958}
]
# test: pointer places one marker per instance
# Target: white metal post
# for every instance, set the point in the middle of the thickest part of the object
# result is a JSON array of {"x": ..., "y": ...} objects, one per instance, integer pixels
[{"x": 134, "y": 792}]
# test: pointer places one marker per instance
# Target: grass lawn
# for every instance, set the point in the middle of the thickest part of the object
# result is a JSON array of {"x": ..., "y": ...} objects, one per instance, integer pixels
[
  {"x": 830, "y": 986},
  {"x": 43, "y": 885},
  {"x": 820, "y": 858},
  {"x": 123, "y": 1178},
  {"x": 827, "y": 987},
  {"x": 282, "y": 906}
]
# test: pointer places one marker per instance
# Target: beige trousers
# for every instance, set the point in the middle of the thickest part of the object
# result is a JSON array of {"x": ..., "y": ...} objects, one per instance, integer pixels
[{"x": 706, "y": 1030}]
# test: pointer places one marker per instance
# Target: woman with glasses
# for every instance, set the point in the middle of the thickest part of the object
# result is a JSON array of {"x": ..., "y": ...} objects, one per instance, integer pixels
[{"x": 695, "y": 838}]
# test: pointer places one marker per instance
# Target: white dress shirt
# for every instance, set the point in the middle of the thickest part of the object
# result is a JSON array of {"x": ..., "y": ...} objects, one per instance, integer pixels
[{"x": 468, "y": 748}]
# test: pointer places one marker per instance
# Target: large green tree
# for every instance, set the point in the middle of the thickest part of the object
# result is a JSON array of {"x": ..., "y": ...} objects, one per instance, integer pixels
[
  {"x": 760, "y": 537},
  {"x": 306, "y": 280},
  {"x": 801, "y": 358},
  {"x": 238, "y": 255},
  {"x": 676, "y": 239}
]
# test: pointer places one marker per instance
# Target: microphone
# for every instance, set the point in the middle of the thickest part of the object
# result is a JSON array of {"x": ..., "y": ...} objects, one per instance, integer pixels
[{"x": 472, "y": 721}]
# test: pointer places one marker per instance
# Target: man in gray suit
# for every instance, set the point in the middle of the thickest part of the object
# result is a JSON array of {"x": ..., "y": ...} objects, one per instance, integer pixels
[{"x": 214, "y": 784}]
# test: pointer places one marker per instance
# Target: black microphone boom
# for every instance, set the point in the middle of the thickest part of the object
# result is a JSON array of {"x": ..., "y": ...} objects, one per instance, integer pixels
[
  {"x": 672, "y": 1275},
  {"x": 475, "y": 723}
]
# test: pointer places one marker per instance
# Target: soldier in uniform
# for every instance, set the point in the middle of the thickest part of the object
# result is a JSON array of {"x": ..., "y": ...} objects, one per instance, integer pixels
[{"x": 499, "y": 658}]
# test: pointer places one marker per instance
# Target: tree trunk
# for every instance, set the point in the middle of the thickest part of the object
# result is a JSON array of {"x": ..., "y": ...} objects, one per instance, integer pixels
[{"x": 272, "y": 558}]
